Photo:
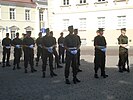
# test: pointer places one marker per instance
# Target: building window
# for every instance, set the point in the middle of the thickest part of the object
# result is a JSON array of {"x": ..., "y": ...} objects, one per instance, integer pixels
[
  {"x": 101, "y": 22},
  {"x": 65, "y": 2},
  {"x": 82, "y": 24},
  {"x": 27, "y": 14},
  {"x": 121, "y": 21},
  {"x": 41, "y": 16},
  {"x": 12, "y": 35},
  {"x": 65, "y": 24},
  {"x": 82, "y": 1},
  {"x": 12, "y": 13},
  {"x": 100, "y": 0}
]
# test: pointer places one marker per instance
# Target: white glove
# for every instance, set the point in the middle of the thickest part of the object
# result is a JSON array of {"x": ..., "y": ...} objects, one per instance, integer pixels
[
  {"x": 50, "y": 49},
  {"x": 8, "y": 47},
  {"x": 18, "y": 46},
  {"x": 127, "y": 47},
  {"x": 31, "y": 46},
  {"x": 104, "y": 49},
  {"x": 74, "y": 52}
]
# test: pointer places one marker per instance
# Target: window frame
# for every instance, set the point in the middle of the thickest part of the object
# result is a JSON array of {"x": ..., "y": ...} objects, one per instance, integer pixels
[
  {"x": 121, "y": 21},
  {"x": 65, "y": 24},
  {"x": 101, "y": 0},
  {"x": 83, "y": 2},
  {"x": 100, "y": 23},
  {"x": 66, "y": 2},
  {"x": 82, "y": 24},
  {"x": 41, "y": 16},
  {"x": 12, "y": 14},
  {"x": 27, "y": 15}
]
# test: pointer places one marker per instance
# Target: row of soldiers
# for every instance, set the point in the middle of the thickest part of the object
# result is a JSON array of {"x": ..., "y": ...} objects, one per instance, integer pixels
[{"x": 46, "y": 48}]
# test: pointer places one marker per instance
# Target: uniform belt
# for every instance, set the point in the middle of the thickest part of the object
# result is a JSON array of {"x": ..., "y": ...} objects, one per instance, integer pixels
[
  {"x": 49, "y": 47},
  {"x": 72, "y": 48}
]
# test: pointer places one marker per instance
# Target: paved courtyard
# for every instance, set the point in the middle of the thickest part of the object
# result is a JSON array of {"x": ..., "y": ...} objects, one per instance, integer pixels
[{"x": 16, "y": 85}]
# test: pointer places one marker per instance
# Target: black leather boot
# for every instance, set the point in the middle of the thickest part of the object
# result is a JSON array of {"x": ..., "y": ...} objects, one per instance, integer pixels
[
  {"x": 67, "y": 81},
  {"x": 14, "y": 67},
  {"x": 43, "y": 75},
  {"x": 96, "y": 76}
]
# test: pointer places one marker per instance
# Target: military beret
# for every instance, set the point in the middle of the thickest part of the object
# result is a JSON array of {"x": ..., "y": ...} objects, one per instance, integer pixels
[
  {"x": 40, "y": 33},
  {"x": 70, "y": 27},
  {"x": 124, "y": 29},
  {"x": 61, "y": 33},
  {"x": 28, "y": 32},
  {"x": 75, "y": 29},
  {"x": 7, "y": 33},
  {"x": 47, "y": 29},
  {"x": 100, "y": 29},
  {"x": 17, "y": 33}
]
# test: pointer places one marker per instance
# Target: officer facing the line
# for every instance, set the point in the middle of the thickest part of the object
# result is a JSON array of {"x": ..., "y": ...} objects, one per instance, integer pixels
[
  {"x": 71, "y": 44},
  {"x": 100, "y": 53},
  {"x": 28, "y": 48},
  {"x": 48, "y": 44},
  {"x": 17, "y": 43},
  {"x": 6, "y": 43},
  {"x": 123, "y": 51}
]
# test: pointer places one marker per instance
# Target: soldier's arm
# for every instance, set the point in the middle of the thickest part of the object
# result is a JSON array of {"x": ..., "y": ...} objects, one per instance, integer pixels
[
  {"x": 120, "y": 42},
  {"x": 65, "y": 44},
  {"x": 79, "y": 42},
  {"x": 3, "y": 42}
]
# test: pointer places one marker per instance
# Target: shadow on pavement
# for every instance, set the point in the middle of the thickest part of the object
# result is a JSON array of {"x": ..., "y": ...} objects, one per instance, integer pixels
[{"x": 15, "y": 85}]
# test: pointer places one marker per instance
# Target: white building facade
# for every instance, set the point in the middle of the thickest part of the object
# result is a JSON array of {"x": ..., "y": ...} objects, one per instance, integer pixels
[
  {"x": 89, "y": 15},
  {"x": 21, "y": 16}
]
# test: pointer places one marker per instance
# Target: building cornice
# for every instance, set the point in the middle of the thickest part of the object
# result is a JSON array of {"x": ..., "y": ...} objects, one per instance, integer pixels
[
  {"x": 95, "y": 10},
  {"x": 20, "y": 3}
]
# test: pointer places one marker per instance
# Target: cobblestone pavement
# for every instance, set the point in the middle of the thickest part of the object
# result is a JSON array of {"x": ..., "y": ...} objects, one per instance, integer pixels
[{"x": 16, "y": 85}]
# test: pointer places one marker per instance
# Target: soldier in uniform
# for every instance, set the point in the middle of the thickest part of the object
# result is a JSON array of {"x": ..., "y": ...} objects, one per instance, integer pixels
[
  {"x": 123, "y": 50},
  {"x": 6, "y": 43},
  {"x": 28, "y": 47},
  {"x": 61, "y": 48},
  {"x": 55, "y": 52},
  {"x": 17, "y": 43},
  {"x": 39, "y": 47},
  {"x": 78, "y": 53},
  {"x": 100, "y": 53},
  {"x": 71, "y": 44},
  {"x": 48, "y": 44}
]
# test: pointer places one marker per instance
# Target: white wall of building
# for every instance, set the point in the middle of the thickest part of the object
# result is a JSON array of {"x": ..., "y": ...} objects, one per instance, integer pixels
[{"x": 91, "y": 11}]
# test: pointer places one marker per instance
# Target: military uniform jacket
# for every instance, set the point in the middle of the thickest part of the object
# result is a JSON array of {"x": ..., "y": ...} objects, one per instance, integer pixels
[
  {"x": 6, "y": 42},
  {"x": 99, "y": 41},
  {"x": 17, "y": 41},
  {"x": 39, "y": 41},
  {"x": 28, "y": 41},
  {"x": 61, "y": 40},
  {"x": 122, "y": 40},
  {"x": 48, "y": 41},
  {"x": 71, "y": 41}
]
